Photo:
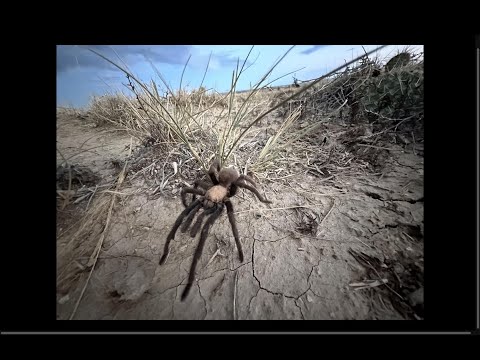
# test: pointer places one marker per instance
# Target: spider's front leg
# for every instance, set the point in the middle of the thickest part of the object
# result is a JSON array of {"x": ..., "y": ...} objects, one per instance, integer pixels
[
  {"x": 231, "y": 218},
  {"x": 198, "y": 251},
  {"x": 213, "y": 171},
  {"x": 171, "y": 235},
  {"x": 205, "y": 185},
  {"x": 252, "y": 189},
  {"x": 198, "y": 223},
  {"x": 241, "y": 179},
  {"x": 201, "y": 184},
  {"x": 186, "y": 190},
  {"x": 248, "y": 178},
  {"x": 190, "y": 217}
]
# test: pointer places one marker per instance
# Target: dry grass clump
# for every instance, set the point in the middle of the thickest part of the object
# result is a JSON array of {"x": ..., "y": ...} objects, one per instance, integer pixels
[
  {"x": 206, "y": 124},
  {"x": 70, "y": 112}
]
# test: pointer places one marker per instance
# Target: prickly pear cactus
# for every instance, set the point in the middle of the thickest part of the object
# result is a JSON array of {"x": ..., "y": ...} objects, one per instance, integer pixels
[
  {"x": 398, "y": 60},
  {"x": 394, "y": 94}
]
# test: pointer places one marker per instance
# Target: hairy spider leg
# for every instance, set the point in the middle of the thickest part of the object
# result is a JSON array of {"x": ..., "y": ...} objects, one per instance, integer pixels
[
  {"x": 241, "y": 178},
  {"x": 213, "y": 172},
  {"x": 231, "y": 218},
  {"x": 189, "y": 219},
  {"x": 198, "y": 223},
  {"x": 198, "y": 251},
  {"x": 233, "y": 190},
  {"x": 252, "y": 189},
  {"x": 185, "y": 191},
  {"x": 171, "y": 235},
  {"x": 248, "y": 178},
  {"x": 202, "y": 184}
]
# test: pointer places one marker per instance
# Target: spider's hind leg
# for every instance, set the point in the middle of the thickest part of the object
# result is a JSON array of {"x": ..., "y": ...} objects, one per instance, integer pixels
[
  {"x": 231, "y": 218},
  {"x": 171, "y": 235},
  {"x": 198, "y": 251}
]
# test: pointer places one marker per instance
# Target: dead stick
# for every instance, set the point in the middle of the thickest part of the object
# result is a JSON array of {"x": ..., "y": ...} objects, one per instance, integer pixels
[
  {"x": 213, "y": 257},
  {"x": 329, "y": 211},
  {"x": 364, "y": 243},
  {"x": 379, "y": 147},
  {"x": 91, "y": 197},
  {"x": 376, "y": 272}
]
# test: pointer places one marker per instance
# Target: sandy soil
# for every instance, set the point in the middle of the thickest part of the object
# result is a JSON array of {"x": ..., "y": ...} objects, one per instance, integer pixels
[{"x": 298, "y": 261}]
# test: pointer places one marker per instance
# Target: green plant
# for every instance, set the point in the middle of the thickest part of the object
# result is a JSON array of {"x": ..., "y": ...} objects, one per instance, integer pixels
[{"x": 395, "y": 94}]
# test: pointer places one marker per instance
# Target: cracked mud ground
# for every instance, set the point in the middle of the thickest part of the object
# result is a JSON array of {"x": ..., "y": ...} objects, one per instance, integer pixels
[{"x": 288, "y": 272}]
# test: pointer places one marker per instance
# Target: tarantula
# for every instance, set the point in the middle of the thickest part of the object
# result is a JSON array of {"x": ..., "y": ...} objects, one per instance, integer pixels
[{"x": 213, "y": 198}]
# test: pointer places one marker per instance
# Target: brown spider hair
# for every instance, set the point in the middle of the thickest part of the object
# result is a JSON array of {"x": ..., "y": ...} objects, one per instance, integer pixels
[{"x": 214, "y": 197}]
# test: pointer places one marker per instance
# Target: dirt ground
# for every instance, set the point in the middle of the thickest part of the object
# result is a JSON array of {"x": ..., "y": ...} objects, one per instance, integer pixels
[{"x": 300, "y": 263}]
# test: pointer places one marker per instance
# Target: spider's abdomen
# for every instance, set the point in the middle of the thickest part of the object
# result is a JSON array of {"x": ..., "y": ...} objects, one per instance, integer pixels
[
  {"x": 227, "y": 176},
  {"x": 216, "y": 194}
]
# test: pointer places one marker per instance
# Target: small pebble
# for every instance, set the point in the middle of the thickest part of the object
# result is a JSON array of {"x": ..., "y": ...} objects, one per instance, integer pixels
[{"x": 64, "y": 299}]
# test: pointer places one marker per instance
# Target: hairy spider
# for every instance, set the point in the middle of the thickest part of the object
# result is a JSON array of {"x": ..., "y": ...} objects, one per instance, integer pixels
[{"x": 213, "y": 198}]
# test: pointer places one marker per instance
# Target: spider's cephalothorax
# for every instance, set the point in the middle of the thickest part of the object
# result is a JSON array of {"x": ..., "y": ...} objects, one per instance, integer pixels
[{"x": 213, "y": 198}]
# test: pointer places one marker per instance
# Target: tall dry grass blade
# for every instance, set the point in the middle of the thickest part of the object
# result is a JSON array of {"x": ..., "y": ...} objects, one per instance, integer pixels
[
  {"x": 206, "y": 69},
  {"x": 183, "y": 71},
  {"x": 234, "y": 123}
]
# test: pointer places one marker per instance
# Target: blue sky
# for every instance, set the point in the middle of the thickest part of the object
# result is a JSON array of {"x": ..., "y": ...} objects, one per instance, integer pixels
[{"x": 81, "y": 73}]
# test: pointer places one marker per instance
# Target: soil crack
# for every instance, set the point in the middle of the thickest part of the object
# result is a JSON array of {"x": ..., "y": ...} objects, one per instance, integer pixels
[
  {"x": 267, "y": 290},
  {"x": 204, "y": 301},
  {"x": 300, "y": 309}
]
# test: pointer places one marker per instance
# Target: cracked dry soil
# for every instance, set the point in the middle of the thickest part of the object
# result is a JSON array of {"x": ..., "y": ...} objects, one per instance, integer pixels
[{"x": 287, "y": 273}]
